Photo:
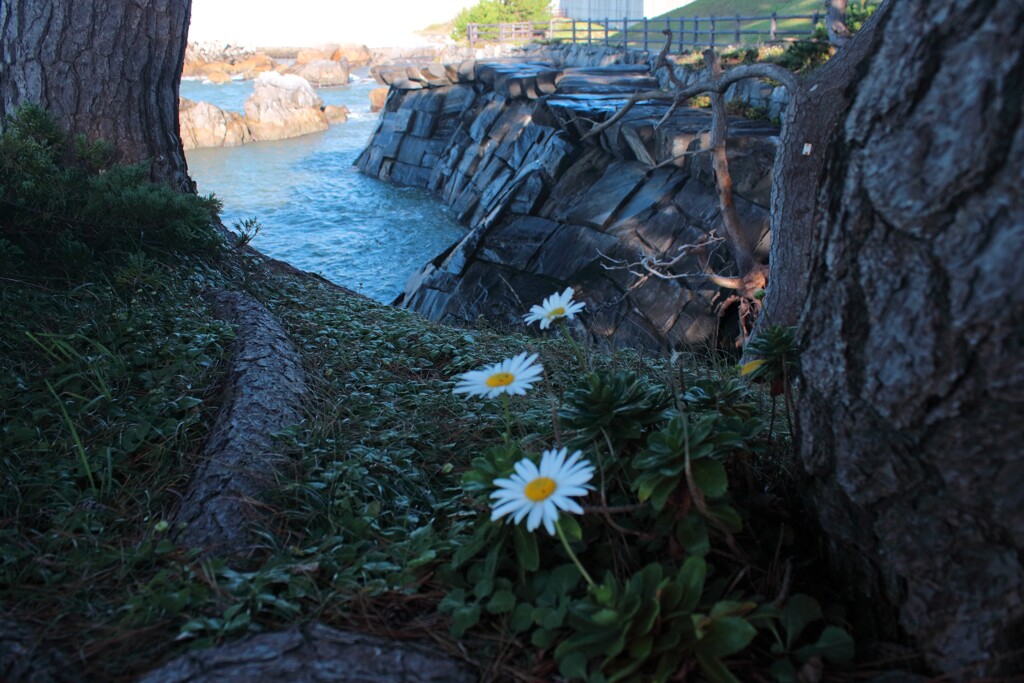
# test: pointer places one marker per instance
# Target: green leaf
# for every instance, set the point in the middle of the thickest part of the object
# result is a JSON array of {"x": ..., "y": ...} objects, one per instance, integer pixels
[
  {"x": 836, "y": 645},
  {"x": 501, "y": 602},
  {"x": 605, "y": 617},
  {"x": 571, "y": 527},
  {"x": 783, "y": 671},
  {"x": 727, "y": 515},
  {"x": 526, "y": 549},
  {"x": 710, "y": 477},
  {"x": 726, "y": 636},
  {"x": 543, "y": 638},
  {"x": 574, "y": 666},
  {"x": 522, "y": 617},
  {"x": 799, "y": 611},
  {"x": 714, "y": 670},
  {"x": 464, "y": 618},
  {"x": 692, "y": 534},
  {"x": 640, "y": 648},
  {"x": 691, "y": 576}
]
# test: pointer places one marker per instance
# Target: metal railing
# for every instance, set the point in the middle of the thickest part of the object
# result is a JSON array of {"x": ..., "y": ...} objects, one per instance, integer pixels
[{"x": 687, "y": 32}]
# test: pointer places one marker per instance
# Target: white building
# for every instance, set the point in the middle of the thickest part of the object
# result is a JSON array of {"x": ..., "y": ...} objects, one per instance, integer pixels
[{"x": 617, "y": 9}]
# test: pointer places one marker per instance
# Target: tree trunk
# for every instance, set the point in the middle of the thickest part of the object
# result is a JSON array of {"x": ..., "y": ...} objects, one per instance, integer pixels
[
  {"x": 105, "y": 69},
  {"x": 911, "y": 314},
  {"x": 835, "y": 20},
  {"x": 810, "y": 126}
]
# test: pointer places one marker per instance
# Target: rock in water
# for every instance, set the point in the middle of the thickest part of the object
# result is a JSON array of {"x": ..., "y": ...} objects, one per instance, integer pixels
[
  {"x": 378, "y": 96},
  {"x": 336, "y": 114},
  {"x": 322, "y": 73},
  {"x": 283, "y": 106},
  {"x": 357, "y": 55},
  {"x": 311, "y": 54},
  {"x": 205, "y": 125}
]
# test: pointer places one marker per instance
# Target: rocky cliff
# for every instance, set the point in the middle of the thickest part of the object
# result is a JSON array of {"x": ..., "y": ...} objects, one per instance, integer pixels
[{"x": 502, "y": 143}]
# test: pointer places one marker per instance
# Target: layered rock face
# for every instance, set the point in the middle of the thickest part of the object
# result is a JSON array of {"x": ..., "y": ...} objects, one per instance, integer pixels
[
  {"x": 283, "y": 106},
  {"x": 501, "y": 142}
]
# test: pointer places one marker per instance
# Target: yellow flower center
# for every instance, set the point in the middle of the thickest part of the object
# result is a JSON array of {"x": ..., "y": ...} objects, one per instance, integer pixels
[
  {"x": 539, "y": 489},
  {"x": 556, "y": 312},
  {"x": 500, "y": 379}
]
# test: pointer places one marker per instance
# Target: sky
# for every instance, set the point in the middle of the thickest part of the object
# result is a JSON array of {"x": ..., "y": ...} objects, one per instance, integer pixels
[{"x": 300, "y": 23}]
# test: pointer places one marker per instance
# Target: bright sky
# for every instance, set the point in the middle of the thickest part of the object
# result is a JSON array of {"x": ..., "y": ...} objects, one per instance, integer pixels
[{"x": 270, "y": 23}]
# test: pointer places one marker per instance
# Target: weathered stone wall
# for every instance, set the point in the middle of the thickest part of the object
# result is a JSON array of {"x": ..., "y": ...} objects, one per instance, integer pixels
[{"x": 502, "y": 146}]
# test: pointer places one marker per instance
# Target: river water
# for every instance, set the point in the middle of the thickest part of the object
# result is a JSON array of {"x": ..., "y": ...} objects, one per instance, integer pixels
[{"x": 317, "y": 212}]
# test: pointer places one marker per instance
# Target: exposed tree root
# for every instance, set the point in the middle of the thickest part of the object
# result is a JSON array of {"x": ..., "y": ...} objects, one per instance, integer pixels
[
  {"x": 313, "y": 653},
  {"x": 262, "y": 395}
]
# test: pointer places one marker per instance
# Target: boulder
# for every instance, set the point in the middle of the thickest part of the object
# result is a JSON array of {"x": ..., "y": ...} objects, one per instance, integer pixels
[
  {"x": 205, "y": 125},
  {"x": 356, "y": 55},
  {"x": 322, "y": 73},
  {"x": 283, "y": 106},
  {"x": 252, "y": 66},
  {"x": 217, "y": 77},
  {"x": 312, "y": 54},
  {"x": 378, "y": 96},
  {"x": 336, "y": 114},
  {"x": 247, "y": 67}
]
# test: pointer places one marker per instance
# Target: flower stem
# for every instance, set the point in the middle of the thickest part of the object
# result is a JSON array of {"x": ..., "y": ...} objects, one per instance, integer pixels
[
  {"x": 575, "y": 347},
  {"x": 508, "y": 418},
  {"x": 572, "y": 555}
]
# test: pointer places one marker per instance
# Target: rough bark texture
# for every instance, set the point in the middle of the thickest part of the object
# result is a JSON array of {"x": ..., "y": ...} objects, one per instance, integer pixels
[
  {"x": 106, "y": 69},
  {"x": 263, "y": 395},
  {"x": 913, "y": 331},
  {"x": 314, "y": 654},
  {"x": 816, "y": 111},
  {"x": 26, "y": 658},
  {"x": 835, "y": 21}
]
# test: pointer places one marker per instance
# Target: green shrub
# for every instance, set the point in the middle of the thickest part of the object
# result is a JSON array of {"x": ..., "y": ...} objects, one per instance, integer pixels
[
  {"x": 500, "y": 11},
  {"x": 70, "y": 212}
]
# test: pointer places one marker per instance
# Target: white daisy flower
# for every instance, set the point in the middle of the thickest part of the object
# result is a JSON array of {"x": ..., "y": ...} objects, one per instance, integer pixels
[
  {"x": 510, "y": 376},
  {"x": 539, "y": 493},
  {"x": 554, "y": 307}
]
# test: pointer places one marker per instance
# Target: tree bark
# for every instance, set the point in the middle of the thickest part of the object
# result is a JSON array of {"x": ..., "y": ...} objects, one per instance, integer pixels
[
  {"x": 810, "y": 124},
  {"x": 105, "y": 69},
  {"x": 905, "y": 278},
  {"x": 741, "y": 244},
  {"x": 835, "y": 20}
]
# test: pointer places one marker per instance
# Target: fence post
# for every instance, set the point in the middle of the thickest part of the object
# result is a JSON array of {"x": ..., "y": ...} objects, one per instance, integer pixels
[
  {"x": 625, "y": 33},
  {"x": 607, "y": 23},
  {"x": 737, "y": 36},
  {"x": 814, "y": 22},
  {"x": 775, "y": 27},
  {"x": 696, "y": 24},
  {"x": 590, "y": 31},
  {"x": 680, "y": 35},
  {"x": 646, "y": 27},
  {"x": 711, "y": 35},
  {"x": 573, "y": 31}
]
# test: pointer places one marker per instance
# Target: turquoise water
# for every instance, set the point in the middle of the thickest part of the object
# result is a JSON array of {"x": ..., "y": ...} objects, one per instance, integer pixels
[{"x": 316, "y": 211}]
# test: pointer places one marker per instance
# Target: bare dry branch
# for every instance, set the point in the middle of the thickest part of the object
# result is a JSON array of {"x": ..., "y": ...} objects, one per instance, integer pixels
[{"x": 719, "y": 85}]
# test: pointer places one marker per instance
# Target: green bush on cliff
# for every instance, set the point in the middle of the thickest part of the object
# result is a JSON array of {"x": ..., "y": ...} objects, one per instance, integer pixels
[{"x": 500, "y": 11}]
